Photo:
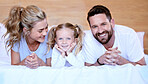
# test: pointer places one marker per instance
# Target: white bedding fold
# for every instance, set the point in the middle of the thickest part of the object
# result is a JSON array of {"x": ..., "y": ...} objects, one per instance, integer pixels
[{"x": 126, "y": 74}]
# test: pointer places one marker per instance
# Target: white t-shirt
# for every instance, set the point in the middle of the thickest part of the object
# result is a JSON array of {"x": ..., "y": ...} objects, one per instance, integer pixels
[
  {"x": 126, "y": 40},
  {"x": 70, "y": 60},
  {"x": 24, "y": 50}
]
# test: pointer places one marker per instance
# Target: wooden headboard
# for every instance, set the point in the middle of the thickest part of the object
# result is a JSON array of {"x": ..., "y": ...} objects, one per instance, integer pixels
[{"x": 131, "y": 13}]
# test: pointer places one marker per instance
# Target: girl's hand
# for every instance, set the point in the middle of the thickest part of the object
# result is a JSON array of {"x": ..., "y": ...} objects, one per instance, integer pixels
[
  {"x": 70, "y": 49},
  {"x": 61, "y": 50}
]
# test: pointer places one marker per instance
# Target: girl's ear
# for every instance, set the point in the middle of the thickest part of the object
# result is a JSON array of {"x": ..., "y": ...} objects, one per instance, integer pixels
[
  {"x": 55, "y": 39},
  {"x": 76, "y": 40}
]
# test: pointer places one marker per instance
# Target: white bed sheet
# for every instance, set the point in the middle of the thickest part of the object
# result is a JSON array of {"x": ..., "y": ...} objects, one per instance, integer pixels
[
  {"x": 125, "y": 74},
  {"x": 146, "y": 59}
]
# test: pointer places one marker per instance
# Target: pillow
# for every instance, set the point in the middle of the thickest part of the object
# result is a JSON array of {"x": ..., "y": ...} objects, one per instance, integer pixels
[
  {"x": 3, "y": 51},
  {"x": 141, "y": 36},
  {"x": 5, "y": 58}
]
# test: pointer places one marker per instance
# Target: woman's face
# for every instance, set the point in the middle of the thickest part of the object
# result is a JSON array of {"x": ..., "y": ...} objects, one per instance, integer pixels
[
  {"x": 39, "y": 31},
  {"x": 64, "y": 38}
]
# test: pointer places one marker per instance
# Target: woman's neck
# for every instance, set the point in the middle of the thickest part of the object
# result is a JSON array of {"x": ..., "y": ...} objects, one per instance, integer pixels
[{"x": 32, "y": 44}]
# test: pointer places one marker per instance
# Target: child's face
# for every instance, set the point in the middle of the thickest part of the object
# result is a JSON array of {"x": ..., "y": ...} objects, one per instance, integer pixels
[{"x": 64, "y": 38}]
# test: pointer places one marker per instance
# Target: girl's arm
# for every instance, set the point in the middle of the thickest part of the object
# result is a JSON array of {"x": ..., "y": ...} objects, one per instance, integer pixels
[
  {"x": 58, "y": 57},
  {"x": 58, "y": 62},
  {"x": 76, "y": 60}
]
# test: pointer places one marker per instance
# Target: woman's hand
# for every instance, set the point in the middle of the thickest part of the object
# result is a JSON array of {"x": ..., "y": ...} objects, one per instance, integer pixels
[{"x": 32, "y": 61}]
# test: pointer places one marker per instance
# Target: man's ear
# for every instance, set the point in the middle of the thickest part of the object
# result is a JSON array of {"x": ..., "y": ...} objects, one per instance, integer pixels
[{"x": 113, "y": 23}]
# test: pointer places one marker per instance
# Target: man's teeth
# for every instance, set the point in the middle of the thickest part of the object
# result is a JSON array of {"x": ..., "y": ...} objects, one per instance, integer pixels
[{"x": 102, "y": 35}]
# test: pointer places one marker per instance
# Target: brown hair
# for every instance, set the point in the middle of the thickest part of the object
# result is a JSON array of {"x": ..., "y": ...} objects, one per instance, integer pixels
[
  {"x": 78, "y": 33},
  {"x": 99, "y": 9},
  {"x": 20, "y": 17}
]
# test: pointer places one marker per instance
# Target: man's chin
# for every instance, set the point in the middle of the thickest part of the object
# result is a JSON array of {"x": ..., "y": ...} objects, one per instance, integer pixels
[{"x": 102, "y": 42}]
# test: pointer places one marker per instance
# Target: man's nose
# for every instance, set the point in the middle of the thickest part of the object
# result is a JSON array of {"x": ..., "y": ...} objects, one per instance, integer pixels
[{"x": 99, "y": 30}]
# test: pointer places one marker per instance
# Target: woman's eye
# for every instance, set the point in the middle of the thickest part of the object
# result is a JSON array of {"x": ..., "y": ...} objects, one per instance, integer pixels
[{"x": 40, "y": 31}]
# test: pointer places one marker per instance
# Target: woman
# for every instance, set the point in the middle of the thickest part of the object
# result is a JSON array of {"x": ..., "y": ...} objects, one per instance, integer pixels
[{"x": 27, "y": 29}]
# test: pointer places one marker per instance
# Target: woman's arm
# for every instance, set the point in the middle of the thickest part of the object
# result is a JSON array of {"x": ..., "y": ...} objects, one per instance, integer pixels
[
  {"x": 48, "y": 61},
  {"x": 15, "y": 58}
]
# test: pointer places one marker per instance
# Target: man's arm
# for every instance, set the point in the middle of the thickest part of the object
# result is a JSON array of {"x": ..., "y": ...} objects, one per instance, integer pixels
[
  {"x": 122, "y": 61},
  {"x": 88, "y": 64}
]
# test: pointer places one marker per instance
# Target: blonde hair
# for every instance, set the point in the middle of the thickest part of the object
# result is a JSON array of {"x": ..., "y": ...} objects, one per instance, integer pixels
[
  {"x": 78, "y": 33},
  {"x": 20, "y": 17}
]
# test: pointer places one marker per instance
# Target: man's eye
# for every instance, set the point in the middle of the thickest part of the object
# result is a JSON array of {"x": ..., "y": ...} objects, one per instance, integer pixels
[
  {"x": 94, "y": 27},
  {"x": 103, "y": 23}
]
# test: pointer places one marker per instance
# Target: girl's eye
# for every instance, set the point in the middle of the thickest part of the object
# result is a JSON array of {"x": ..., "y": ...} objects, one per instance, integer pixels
[
  {"x": 69, "y": 38},
  {"x": 60, "y": 38}
]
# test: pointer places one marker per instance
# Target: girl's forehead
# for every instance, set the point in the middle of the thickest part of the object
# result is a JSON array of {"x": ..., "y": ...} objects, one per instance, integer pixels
[{"x": 65, "y": 29}]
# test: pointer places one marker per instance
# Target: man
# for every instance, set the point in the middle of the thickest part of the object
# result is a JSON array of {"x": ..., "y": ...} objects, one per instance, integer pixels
[{"x": 108, "y": 43}]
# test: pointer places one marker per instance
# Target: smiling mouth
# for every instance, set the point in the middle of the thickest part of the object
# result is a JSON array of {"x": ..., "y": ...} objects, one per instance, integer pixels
[
  {"x": 102, "y": 35},
  {"x": 64, "y": 46},
  {"x": 42, "y": 37}
]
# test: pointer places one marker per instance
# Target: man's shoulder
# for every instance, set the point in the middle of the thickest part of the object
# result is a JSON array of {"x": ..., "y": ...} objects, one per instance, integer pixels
[
  {"x": 123, "y": 29},
  {"x": 88, "y": 34}
]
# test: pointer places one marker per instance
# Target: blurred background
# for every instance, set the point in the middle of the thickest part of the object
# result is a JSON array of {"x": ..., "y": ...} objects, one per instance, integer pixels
[{"x": 131, "y": 13}]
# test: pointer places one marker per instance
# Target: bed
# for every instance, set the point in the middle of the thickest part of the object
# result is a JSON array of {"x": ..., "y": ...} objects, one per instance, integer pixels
[{"x": 125, "y": 74}]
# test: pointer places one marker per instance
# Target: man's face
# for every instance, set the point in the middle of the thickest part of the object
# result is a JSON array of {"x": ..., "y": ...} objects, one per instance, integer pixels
[{"x": 101, "y": 28}]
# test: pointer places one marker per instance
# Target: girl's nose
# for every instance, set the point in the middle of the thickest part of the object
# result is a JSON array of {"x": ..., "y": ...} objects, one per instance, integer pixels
[{"x": 64, "y": 41}]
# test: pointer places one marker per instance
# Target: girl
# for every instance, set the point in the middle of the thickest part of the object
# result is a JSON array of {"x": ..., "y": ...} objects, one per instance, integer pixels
[
  {"x": 27, "y": 29},
  {"x": 66, "y": 41}
]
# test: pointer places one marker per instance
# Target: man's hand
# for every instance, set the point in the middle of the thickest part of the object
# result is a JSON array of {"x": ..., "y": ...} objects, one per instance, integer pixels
[{"x": 111, "y": 57}]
